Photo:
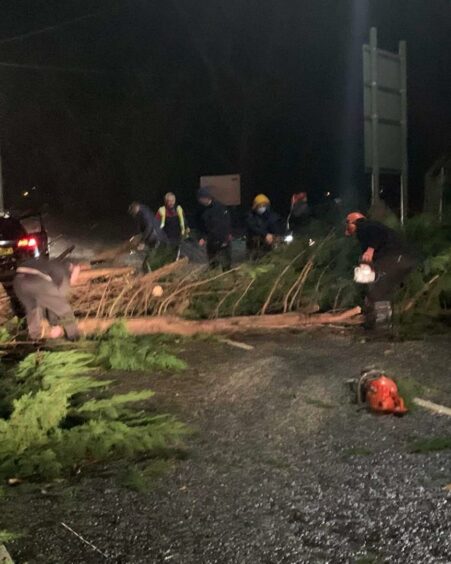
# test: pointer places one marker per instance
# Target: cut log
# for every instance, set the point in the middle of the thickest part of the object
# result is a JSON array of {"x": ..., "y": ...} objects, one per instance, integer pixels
[
  {"x": 228, "y": 325},
  {"x": 412, "y": 302},
  {"x": 164, "y": 271},
  {"x": 88, "y": 275}
]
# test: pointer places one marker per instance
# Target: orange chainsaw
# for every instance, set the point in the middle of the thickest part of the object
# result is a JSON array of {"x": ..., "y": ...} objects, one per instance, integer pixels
[{"x": 378, "y": 392}]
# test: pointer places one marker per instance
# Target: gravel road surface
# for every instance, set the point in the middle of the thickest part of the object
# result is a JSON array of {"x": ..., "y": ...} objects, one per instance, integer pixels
[{"x": 282, "y": 467}]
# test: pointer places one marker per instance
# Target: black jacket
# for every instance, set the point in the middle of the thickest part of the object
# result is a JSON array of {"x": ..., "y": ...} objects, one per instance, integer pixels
[
  {"x": 149, "y": 226},
  {"x": 384, "y": 241},
  {"x": 260, "y": 225},
  {"x": 214, "y": 224}
]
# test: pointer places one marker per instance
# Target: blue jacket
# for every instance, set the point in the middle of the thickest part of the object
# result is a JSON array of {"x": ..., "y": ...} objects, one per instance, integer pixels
[{"x": 259, "y": 225}]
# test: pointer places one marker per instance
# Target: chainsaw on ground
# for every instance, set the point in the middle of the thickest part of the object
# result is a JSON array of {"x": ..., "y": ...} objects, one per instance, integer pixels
[{"x": 378, "y": 392}]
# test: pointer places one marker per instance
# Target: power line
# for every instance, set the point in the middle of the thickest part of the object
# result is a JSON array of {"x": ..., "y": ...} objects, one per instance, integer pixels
[
  {"x": 50, "y": 28},
  {"x": 53, "y": 68}
]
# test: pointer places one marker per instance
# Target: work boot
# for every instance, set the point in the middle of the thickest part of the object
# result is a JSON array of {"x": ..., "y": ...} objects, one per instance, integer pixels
[
  {"x": 72, "y": 332},
  {"x": 378, "y": 319},
  {"x": 383, "y": 312},
  {"x": 381, "y": 321},
  {"x": 369, "y": 314}
]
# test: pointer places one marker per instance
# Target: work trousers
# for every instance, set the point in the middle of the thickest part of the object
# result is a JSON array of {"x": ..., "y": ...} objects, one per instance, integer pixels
[
  {"x": 219, "y": 255},
  {"x": 42, "y": 298},
  {"x": 391, "y": 271},
  {"x": 159, "y": 255},
  {"x": 257, "y": 248}
]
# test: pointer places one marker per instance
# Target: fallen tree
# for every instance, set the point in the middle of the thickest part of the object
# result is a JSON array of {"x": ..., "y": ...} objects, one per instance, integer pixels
[
  {"x": 227, "y": 325},
  {"x": 293, "y": 279},
  {"x": 297, "y": 279},
  {"x": 118, "y": 292}
]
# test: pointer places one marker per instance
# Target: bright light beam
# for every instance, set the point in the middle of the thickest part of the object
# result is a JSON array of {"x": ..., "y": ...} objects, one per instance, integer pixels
[{"x": 353, "y": 95}]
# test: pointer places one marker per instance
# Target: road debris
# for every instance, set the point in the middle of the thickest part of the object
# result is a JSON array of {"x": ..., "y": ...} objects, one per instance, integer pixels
[
  {"x": 435, "y": 407},
  {"x": 237, "y": 344},
  {"x": 84, "y": 540},
  {"x": 5, "y": 558}
]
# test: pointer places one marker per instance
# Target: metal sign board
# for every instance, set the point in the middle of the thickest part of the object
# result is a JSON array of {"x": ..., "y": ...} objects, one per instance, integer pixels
[
  {"x": 389, "y": 110},
  {"x": 390, "y": 152},
  {"x": 385, "y": 114},
  {"x": 225, "y": 188}
]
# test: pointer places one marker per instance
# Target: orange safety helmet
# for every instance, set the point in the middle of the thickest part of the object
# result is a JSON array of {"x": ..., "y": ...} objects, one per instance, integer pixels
[
  {"x": 299, "y": 197},
  {"x": 351, "y": 220}
]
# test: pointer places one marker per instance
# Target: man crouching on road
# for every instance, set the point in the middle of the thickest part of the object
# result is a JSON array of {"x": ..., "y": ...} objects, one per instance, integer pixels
[
  {"x": 43, "y": 285},
  {"x": 391, "y": 260}
]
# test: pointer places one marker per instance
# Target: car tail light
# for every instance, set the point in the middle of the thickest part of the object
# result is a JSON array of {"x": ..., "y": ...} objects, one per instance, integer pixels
[{"x": 27, "y": 243}]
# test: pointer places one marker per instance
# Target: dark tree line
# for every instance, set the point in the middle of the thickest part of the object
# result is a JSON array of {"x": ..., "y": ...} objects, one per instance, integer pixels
[{"x": 190, "y": 87}]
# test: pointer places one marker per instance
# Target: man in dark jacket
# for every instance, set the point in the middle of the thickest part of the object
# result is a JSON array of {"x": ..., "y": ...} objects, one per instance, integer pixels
[
  {"x": 148, "y": 225},
  {"x": 151, "y": 236},
  {"x": 215, "y": 230},
  {"x": 263, "y": 226},
  {"x": 42, "y": 285},
  {"x": 392, "y": 261}
]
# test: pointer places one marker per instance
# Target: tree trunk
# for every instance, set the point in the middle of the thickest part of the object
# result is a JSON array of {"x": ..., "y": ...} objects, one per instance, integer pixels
[
  {"x": 229, "y": 325},
  {"x": 88, "y": 275}
]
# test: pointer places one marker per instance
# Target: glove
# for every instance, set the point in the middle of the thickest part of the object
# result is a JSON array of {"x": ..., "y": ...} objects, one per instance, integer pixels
[{"x": 367, "y": 256}]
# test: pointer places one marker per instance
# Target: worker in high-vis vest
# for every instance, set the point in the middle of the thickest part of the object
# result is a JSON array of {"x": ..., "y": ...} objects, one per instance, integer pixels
[{"x": 172, "y": 220}]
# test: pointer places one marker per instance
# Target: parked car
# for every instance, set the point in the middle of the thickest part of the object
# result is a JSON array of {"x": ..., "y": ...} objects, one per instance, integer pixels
[{"x": 20, "y": 238}]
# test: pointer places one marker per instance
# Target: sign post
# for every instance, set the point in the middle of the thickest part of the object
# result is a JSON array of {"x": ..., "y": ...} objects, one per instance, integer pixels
[
  {"x": 385, "y": 116},
  {"x": 374, "y": 119},
  {"x": 405, "y": 162}
]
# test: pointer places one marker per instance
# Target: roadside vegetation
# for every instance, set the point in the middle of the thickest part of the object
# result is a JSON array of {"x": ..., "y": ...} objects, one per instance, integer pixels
[
  {"x": 58, "y": 416},
  {"x": 315, "y": 273}
]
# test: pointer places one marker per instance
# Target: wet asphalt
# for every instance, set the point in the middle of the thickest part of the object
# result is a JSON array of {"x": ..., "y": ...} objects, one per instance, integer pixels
[{"x": 282, "y": 468}]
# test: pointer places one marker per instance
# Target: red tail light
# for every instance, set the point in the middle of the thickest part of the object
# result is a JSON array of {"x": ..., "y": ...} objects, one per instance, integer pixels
[{"x": 28, "y": 243}]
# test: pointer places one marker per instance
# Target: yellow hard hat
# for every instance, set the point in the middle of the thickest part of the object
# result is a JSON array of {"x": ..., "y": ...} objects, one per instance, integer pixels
[{"x": 261, "y": 200}]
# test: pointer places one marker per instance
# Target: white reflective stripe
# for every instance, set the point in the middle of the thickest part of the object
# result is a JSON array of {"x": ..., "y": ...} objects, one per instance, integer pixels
[
  {"x": 162, "y": 212},
  {"x": 180, "y": 215},
  {"x": 34, "y": 272}
]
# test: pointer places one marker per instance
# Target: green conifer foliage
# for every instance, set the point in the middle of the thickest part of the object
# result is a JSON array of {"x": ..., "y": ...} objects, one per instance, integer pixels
[
  {"x": 55, "y": 426},
  {"x": 118, "y": 350}
]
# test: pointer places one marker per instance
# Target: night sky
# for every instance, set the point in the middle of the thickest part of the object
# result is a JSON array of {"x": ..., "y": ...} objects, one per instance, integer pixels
[{"x": 148, "y": 95}]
